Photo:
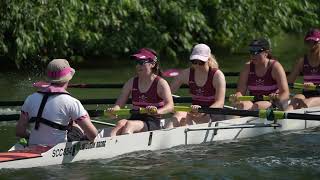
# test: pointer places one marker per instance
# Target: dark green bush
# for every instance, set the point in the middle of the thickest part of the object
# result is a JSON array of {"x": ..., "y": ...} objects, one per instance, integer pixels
[{"x": 36, "y": 31}]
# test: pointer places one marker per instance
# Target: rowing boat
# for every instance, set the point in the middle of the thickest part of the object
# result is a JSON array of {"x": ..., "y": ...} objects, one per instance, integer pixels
[{"x": 107, "y": 147}]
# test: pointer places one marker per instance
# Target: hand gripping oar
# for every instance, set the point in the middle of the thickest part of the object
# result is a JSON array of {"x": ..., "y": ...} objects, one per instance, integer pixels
[
  {"x": 302, "y": 86},
  {"x": 265, "y": 114}
]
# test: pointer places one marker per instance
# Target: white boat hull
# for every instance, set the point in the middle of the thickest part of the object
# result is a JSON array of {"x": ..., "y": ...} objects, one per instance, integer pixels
[{"x": 108, "y": 147}]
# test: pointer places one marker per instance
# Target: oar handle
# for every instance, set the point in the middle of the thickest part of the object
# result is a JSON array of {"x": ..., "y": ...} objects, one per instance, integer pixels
[
  {"x": 125, "y": 112},
  {"x": 271, "y": 115},
  {"x": 182, "y": 108},
  {"x": 253, "y": 98},
  {"x": 302, "y": 86}
]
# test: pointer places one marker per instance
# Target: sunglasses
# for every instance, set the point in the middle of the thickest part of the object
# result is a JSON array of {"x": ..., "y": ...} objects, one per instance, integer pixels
[
  {"x": 255, "y": 51},
  {"x": 141, "y": 62},
  {"x": 312, "y": 42},
  {"x": 200, "y": 63}
]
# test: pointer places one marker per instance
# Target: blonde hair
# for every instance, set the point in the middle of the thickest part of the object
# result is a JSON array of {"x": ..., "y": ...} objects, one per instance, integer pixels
[
  {"x": 212, "y": 62},
  {"x": 314, "y": 54}
]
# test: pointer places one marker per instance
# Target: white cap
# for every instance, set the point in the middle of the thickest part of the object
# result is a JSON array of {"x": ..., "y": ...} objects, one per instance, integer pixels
[{"x": 200, "y": 52}]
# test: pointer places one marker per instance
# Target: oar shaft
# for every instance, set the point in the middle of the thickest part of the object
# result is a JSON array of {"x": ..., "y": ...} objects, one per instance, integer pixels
[
  {"x": 103, "y": 123},
  {"x": 303, "y": 116},
  {"x": 240, "y": 126},
  {"x": 9, "y": 117},
  {"x": 117, "y": 86},
  {"x": 15, "y": 117},
  {"x": 229, "y": 112},
  {"x": 97, "y": 101}
]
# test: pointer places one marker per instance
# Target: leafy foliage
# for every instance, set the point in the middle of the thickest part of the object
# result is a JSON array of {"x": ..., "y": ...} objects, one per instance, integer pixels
[{"x": 36, "y": 31}]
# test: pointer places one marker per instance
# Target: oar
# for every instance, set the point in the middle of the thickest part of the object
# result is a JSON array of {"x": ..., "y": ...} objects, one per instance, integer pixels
[
  {"x": 238, "y": 126},
  {"x": 109, "y": 85},
  {"x": 302, "y": 86},
  {"x": 97, "y": 101},
  {"x": 175, "y": 72},
  {"x": 253, "y": 98},
  {"x": 265, "y": 114},
  {"x": 15, "y": 117},
  {"x": 102, "y": 123}
]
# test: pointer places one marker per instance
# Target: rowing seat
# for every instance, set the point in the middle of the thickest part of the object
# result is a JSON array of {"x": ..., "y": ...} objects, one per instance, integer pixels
[{"x": 29, "y": 152}]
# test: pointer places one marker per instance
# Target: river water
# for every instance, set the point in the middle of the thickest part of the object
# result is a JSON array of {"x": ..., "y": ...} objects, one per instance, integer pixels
[{"x": 288, "y": 155}]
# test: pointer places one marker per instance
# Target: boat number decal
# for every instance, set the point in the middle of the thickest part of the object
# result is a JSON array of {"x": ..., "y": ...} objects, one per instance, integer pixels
[{"x": 71, "y": 151}]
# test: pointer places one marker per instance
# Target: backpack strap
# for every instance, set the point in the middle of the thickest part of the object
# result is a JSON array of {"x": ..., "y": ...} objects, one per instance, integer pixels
[{"x": 39, "y": 118}]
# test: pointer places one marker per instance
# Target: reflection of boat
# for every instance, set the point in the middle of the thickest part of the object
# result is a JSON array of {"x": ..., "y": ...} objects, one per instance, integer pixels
[{"x": 108, "y": 147}]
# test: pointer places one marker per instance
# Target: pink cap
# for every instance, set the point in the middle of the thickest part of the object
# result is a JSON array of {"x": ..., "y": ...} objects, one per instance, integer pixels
[
  {"x": 313, "y": 34},
  {"x": 145, "y": 54}
]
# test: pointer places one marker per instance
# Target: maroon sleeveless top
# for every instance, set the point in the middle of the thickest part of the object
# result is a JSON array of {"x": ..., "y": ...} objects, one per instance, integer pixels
[
  {"x": 149, "y": 98},
  {"x": 203, "y": 96},
  {"x": 264, "y": 85},
  {"x": 310, "y": 74}
]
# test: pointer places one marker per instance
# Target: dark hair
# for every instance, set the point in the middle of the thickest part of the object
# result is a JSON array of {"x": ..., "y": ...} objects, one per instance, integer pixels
[
  {"x": 260, "y": 43},
  {"x": 156, "y": 69}
]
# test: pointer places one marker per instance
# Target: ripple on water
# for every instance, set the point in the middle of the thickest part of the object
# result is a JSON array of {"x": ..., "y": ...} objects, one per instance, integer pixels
[{"x": 294, "y": 155}]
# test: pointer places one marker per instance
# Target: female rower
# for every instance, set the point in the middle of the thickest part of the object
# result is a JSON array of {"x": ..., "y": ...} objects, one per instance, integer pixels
[
  {"x": 262, "y": 76},
  {"x": 309, "y": 66},
  {"x": 148, "y": 90},
  {"x": 207, "y": 87},
  {"x": 52, "y": 108}
]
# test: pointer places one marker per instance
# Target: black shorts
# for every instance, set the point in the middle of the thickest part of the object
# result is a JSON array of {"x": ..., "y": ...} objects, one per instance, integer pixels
[
  {"x": 151, "y": 122},
  {"x": 309, "y": 93}
]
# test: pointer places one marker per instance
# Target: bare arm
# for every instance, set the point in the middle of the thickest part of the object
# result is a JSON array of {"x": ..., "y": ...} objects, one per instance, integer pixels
[
  {"x": 22, "y": 125},
  {"x": 279, "y": 75},
  {"x": 164, "y": 92},
  {"x": 88, "y": 128},
  {"x": 125, "y": 93},
  {"x": 243, "y": 80},
  {"x": 295, "y": 71},
  {"x": 182, "y": 78},
  {"x": 219, "y": 83}
]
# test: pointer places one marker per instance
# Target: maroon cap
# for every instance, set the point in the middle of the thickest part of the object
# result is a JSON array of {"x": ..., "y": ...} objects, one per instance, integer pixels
[
  {"x": 145, "y": 54},
  {"x": 313, "y": 34}
]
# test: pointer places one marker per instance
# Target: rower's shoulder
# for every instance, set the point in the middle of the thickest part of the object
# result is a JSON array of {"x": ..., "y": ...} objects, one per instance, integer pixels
[
  {"x": 276, "y": 63},
  {"x": 218, "y": 72},
  {"x": 131, "y": 79},
  {"x": 300, "y": 61},
  {"x": 129, "y": 82},
  {"x": 247, "y": 65}
]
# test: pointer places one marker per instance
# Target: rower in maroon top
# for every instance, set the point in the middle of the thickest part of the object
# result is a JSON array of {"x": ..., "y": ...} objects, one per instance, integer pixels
[
  {"x": 262, "y": 75},
  {"x": 148, "y": 98},
  {"x": 309, "y": 67},
  {"x": 148, "y": 90},
  {"x": 202, "y": 95},
  {"x": 207, "y": 87},
  {"x": 261, "y": 85}
]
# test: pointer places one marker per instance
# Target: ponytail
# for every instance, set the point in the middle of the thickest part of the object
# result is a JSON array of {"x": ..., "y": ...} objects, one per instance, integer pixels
[
  {"x": 212, "y": 62},
  {"x": 269, "y": 55},
  {"x": 156, "y": 69},
  {"x": 314, "y": 54}
]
